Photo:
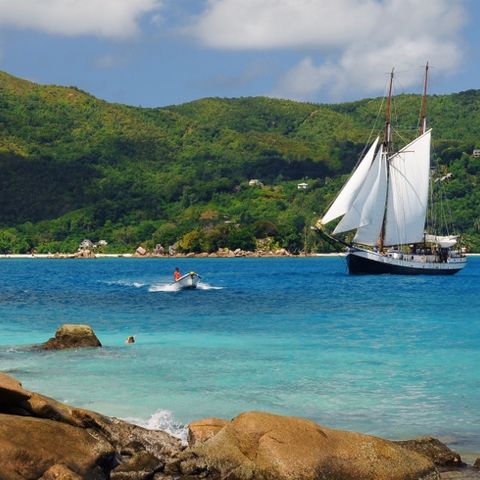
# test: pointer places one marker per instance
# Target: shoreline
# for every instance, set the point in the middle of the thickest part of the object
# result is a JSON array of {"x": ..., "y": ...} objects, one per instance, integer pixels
[
  {"x": 63, "y": 256},
  {"x": 73, "y": 442},
  {"x": 165, "y": 257}
]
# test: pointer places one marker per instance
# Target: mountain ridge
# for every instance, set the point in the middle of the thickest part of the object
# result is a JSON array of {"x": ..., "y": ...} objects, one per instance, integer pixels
[{"x": 74, "y": 166}]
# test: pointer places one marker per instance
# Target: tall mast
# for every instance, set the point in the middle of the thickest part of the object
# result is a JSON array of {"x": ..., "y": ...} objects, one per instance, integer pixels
[
  {"x": 423, "y": 110},
  {"x": 387, "y": 150},
  {"x": 387, "y": 137}
]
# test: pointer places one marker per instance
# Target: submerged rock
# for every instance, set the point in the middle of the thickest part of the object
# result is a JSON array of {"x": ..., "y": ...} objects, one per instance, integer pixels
[{"x": 72, "y": 336}]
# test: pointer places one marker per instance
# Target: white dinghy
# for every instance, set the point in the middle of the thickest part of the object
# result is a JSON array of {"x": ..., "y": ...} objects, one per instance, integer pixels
[{"x": 189, "y": 280}]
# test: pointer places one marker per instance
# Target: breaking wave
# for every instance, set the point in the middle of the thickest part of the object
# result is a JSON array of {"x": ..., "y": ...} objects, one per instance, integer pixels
[{"x": 164, "y": 420}]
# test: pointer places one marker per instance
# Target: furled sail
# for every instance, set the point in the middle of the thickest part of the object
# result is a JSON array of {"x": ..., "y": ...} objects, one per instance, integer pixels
[
  {"x": 446, "y": 241},
  {"x": 367, "y": 210},
  {"x": 347, "y": 195},
  {"x": 408, "y": 192}
]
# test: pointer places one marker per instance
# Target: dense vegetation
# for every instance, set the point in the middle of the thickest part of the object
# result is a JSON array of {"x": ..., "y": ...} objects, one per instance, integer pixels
[{"x": 75, "y": 167}]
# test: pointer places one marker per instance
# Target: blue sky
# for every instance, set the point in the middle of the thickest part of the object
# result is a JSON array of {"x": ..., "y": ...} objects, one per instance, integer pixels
[{"x": 163, "y": 52}]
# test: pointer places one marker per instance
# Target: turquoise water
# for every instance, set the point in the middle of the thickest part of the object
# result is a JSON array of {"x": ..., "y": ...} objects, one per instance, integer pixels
[{"x": 387, "y": 355}]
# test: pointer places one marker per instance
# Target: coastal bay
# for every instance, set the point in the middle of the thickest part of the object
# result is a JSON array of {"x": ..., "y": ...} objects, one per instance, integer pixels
[{"x": 389, "y": 356}]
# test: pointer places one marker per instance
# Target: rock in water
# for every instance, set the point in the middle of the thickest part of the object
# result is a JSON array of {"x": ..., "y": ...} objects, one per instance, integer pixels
[
  {"x": 259, "y": 446},
  {"x": 72, "y": 336}
]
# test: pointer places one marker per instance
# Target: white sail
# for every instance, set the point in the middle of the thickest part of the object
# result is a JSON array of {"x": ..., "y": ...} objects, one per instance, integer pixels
[
  {"x": 349, "y": 192},
  {"x": 374, "y": 207},
  {"x": 408, "y": 192},
  {"x": 367, "y": 210}
]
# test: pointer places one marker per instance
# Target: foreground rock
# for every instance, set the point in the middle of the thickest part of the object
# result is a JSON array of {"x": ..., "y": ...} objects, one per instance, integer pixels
[
  {"x": 42, "y": 439},
  {"x": 435, "y": 450},
  {"x": 72, "y": 336},
  {"x": 29, "y": 447},
  {"x": 203, "y": 430},
  {"x": 264, "y": 446}
]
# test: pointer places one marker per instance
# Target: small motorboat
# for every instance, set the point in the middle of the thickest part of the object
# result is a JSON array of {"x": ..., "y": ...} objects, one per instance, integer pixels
[{"x": 189, "y": 280}]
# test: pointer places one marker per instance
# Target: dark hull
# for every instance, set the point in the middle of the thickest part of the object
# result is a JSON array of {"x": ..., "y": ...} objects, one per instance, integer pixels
[{"x": 358, "y": 265}]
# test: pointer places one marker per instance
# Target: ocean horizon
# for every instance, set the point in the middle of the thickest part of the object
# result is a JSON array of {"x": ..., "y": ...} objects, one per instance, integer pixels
[{"x": 393, "y": 356}]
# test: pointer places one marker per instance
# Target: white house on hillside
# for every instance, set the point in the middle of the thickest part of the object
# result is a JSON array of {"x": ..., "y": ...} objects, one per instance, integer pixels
[{"x": 254, "y": 182}]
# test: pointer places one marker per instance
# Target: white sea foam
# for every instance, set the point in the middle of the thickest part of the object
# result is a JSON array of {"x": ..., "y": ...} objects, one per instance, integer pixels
[
  {"x": 164, "y": 420},
  {"x": 126, "y": 283},
  {"x": 172, "y": 287},
  {"x": 206, "y": 286},
  {"x": 164, "y": 287}
]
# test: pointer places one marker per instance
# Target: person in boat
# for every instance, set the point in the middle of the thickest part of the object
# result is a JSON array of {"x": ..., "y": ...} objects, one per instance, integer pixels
[{"x": 176, "y": 274}]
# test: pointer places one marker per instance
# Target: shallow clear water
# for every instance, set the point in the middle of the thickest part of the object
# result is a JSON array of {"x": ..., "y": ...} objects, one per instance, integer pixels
[{"x": 388, "y": 355}]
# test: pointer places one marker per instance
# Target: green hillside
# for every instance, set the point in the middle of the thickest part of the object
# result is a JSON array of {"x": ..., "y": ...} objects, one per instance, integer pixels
[{"x": 75, "y": 167}]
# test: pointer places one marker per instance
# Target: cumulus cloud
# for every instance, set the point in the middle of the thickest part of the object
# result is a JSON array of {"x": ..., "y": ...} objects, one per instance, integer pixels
[
  {"x": 361, "y": 39},
  {"x": 104, "y": 18}
]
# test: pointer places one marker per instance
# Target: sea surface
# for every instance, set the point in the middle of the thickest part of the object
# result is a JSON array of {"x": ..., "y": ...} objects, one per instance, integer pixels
[{"x": 386, "y": 355}]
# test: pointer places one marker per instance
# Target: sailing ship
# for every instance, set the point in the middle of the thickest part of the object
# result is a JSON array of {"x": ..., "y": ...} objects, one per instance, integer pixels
[{"x": 385, "y": 200}]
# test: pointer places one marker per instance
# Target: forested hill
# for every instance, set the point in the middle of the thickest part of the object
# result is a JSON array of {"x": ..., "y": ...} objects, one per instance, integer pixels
[{"x": 74, "y": 167}]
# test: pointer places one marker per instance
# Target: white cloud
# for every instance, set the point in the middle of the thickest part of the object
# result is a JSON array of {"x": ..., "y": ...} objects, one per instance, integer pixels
[
  {"x": 260, "y": 24},
  {"x": 104, "y": 18},
  {"x": 362, "y": 39}
]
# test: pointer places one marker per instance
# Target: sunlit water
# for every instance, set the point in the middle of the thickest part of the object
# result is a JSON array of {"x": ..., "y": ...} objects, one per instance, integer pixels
[{"x": 388, "y": 355}]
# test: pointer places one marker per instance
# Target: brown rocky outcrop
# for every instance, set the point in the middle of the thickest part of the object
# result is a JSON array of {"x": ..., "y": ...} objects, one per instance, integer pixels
[
  {"x": 202, "y": 430},
  {"x": 84, "y": 253},
  {"x": 60, "y": 472},
  {"x": 30, "y": 446},
  {"x": 43, "y": 439},
  {"x": 72, "y": 336},
  {"x": 477, "y": 464},
  {"x": 262, "y": 446},
  {"x": 436, "y": 451}
]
